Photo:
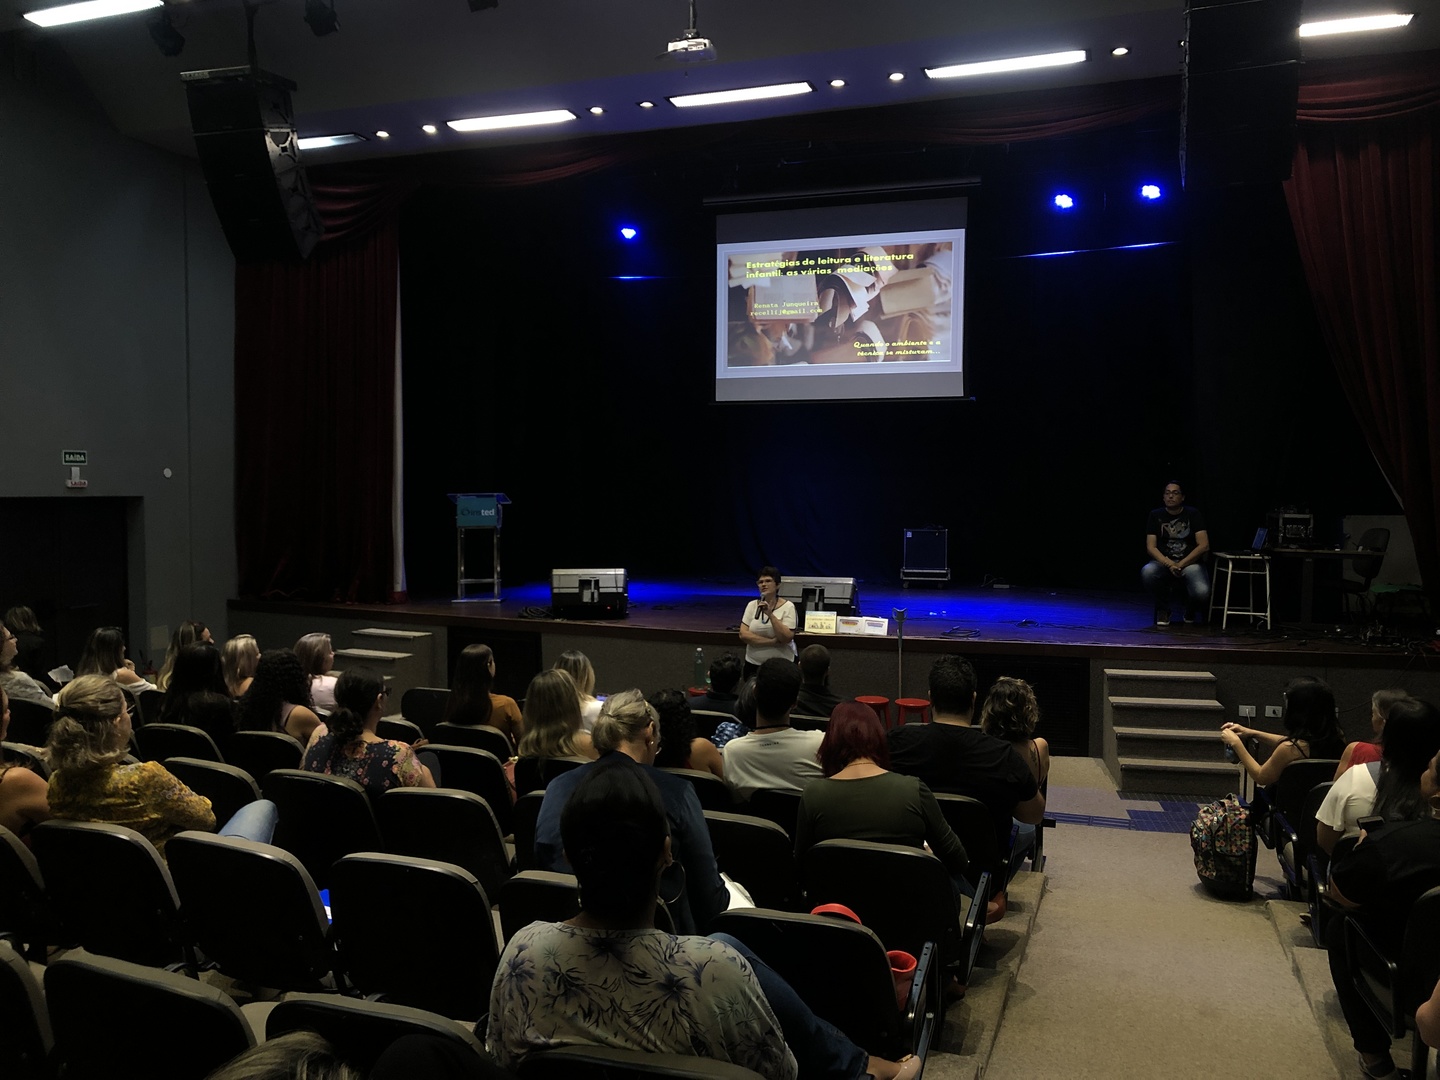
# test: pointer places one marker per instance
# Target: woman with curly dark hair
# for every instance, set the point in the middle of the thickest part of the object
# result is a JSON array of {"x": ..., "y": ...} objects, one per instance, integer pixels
[
  {"x": 1010, "y": 713},
  {"x": 681, "y": 744},
  {"x": 345, "y": 744},
  {"x": 279, "y": 698}
]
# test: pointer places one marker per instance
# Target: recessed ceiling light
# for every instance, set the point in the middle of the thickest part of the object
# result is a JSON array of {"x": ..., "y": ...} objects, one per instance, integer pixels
[
  {"x": 1120, "y": 50},
  {"x": 837, "y": 83},
  {"x": 596, "y": 110},
  {"x": 91, "y": 9},
  {"x": 744, "y": 93},
  {"x": 382, "y": 134},
  {"x": 319, "y": 142},
  {"x": 1011, "y": 63},
  {"x": 429, "y": 129},
  {"x": 897, "y": 76},
  {"x": 1354, "y": 25},
  {"x": 511, "y": 120},
  {"x": 647, "y": 104}
]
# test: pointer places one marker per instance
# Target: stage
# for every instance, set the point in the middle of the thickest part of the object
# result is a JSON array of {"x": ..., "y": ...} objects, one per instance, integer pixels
[{"x": 1064, "y": 642}]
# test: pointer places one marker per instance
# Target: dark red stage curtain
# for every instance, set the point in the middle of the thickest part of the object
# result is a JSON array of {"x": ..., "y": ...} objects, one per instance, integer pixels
[
  {"x": 315, "y": 372},
  {"x": 1363, "y": 201}
]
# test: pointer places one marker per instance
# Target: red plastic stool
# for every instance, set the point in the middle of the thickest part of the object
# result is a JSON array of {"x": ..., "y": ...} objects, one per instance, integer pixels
[
  {"x": 881, "y": 705},
  {"x": 907, "y": 707}
]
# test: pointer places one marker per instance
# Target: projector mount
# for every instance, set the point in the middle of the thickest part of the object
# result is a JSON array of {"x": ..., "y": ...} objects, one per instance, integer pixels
[{"x": 689, "y": 47}]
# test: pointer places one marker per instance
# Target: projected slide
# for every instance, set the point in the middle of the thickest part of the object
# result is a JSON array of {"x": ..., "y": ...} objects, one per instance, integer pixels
[{"x": 864, "y": 315}]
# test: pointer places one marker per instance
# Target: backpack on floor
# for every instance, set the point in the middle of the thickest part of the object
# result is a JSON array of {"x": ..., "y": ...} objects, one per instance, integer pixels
[{"x": 1223, "y": 840}]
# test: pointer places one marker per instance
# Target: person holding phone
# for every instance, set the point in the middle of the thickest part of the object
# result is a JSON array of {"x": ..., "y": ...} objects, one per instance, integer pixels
[{"x": 768, "y": 626}]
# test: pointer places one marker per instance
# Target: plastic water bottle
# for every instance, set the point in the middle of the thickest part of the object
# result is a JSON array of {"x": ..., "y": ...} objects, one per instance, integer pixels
[{"x": 701, "y": 674}]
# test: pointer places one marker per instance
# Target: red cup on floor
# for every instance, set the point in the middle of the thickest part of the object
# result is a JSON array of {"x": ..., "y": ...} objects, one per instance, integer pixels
[{"x": 902, "y": 967}]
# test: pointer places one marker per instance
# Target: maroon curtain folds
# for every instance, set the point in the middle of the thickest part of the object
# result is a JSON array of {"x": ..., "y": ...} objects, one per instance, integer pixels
[
  {"x": 315, "y": 421},
  {"x": 1363, "y": 202}
]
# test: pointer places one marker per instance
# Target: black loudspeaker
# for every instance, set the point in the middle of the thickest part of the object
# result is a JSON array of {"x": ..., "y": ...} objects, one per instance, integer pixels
[
  {"x": 1240, "y": 86},
  {"x": 245, "y": 134}
]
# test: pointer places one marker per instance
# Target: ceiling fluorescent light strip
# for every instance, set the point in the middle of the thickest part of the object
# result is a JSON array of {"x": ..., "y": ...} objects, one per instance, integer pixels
[
  {"x": 510, "y": 120},
  {"x": 745, "y": 93},
  {"x": 319, "y": 142},
  {"x": 1355, "y": 25},
  {"x": 1014, "y": 63},
  {"x": 91, "y": 9}
]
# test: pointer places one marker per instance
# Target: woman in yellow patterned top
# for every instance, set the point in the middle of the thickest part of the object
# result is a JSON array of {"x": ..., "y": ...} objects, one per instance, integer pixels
[{"x": 89, "y": 782}]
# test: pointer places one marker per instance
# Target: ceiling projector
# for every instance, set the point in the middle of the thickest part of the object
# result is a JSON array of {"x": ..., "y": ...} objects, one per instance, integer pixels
[{"x": 690, "y": 48}]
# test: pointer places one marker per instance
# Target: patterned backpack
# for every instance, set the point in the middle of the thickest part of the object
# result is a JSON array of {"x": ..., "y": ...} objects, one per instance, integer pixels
[{"x": 1223, "y": 840}]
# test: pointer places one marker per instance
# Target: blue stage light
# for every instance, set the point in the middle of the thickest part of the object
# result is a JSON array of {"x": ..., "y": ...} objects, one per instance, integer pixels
[
  {"x": 1064, "y": 202},
  {"x": 629, "y": 232},
  {"x": 1150, "y": 191}
]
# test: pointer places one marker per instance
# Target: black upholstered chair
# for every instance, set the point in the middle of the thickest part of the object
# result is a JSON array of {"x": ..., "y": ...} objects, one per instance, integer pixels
[
  {"x": 759, "y": 855},
  {"x": 1395, "y": 985},
  {"x": 152, "y": 704},
  {"x": 262, "y": 752},
  {"x": 26, "y": 920},
  {"x": 424, "y": 706},
  {"x": 139, "y": 918},
  {"x": 372, "y": 893},
  {"x": 449, "y": 825},
  {"x": 112, "y": 1019},
  {"x": 228, "y": 787},
  {"x": 971, "y": 821},
  {"x": 709, "y": 789},
  {"x": 398, "y": 729},
  {"x": 25, "y": 1049},
  {"x": 253, "y": 910},
  {"x": 781, "y": 807},
  {"x": 26, "y": 756},
  {"x": 527, "y": 813},
  {"x": 321, "y": 818},
  {"x": 363, "y": 1030},
  {"x": 478, "y": 736},
  {"x": 29, "y": 722},
  {"x": 480, "y": 772},
  {"x": 156, "y": 742}
]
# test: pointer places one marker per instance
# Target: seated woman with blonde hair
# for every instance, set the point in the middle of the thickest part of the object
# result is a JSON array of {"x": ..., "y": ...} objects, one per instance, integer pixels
[
  {"x": 579, "y": 668},
  {"x": 90, "y": 781},
  {"x": 240, "y": 657},
  {"x": 552, "y": 719},
  {"x": 23, "y": 801},
  {"x": 317, "y": 657},
  {"x": 104, "y": 654}
]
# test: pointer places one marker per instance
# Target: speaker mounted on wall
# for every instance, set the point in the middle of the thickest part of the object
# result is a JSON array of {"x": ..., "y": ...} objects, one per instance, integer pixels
[
  {"x": 1240, "y": 86},
  {"x": 245, "y": 134}
]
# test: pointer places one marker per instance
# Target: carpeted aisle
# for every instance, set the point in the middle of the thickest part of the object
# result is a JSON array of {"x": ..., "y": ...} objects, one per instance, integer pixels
[{"x": 1133, "y": 971}]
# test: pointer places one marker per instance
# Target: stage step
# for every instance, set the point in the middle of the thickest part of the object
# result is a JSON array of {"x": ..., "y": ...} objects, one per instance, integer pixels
[
  {"x": 1153, "y": 683},
  {"x": 1169, "y": 743},
  {"x": 1192, "y": 714},
  {"x": 1172, "y": 777},
  {"x": 400, "y": 670}
]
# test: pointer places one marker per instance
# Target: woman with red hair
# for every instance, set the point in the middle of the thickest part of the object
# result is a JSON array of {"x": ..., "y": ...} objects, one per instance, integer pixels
[{"x": 860, "y": 799}]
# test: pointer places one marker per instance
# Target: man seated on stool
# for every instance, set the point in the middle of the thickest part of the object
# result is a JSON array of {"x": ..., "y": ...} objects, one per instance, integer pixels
[
  {"x": 816, "y": 697},
  {"x": 774, "y": 755},
  {"x": 1176, "y": 539}
]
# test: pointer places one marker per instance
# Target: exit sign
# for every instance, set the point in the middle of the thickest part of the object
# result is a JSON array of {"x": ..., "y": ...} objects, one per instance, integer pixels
[{"x": 73, "y": 457}]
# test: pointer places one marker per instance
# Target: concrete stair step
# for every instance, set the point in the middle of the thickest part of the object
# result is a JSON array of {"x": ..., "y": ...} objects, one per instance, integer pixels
[
  {"x": 1185, "y": 744},
  {"x": 372, "y": 656},
  {"x": 394, "y": 635},
  {"x": 1179, "y": 777},
  {"x": 1147, "y": 682},
  {"x": 1158, "y": 712}
]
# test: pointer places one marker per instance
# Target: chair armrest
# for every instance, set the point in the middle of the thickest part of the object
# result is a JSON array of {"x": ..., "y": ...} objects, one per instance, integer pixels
[
  {"x": 922, "y": 1009},
  {"x": 1376, "y": 978}
]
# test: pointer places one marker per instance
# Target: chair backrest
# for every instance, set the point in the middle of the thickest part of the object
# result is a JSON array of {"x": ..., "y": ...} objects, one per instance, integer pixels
[
  {"x": 372, "y": 894},
  {"x": 398, "y": 729},
  {"x": 1377, "y": 540},
  {"x": 449, "y": 825},
  {"x": 781, "y": 807},
  {"x": 228, "y": 787},
  {"x": 527, "y": 814},
  {"x": 262, "y": 752},
  {"x": 902, "y": 893},
  {"x": 363, "y": 1030},
  {"x": 1296, "y": 780},
  {"x": 971, "y": 821},
  {"x": 103, "y": 1010},
  {"x": 29, "y": 722},
  {"x": 321, "y": 818},
  {"x": 610, "y": 1063},
  {"x": 152, "y": 704},
  {"x": 477, "y": 771},
  {"x": 537, "y": 896},
  {"x": 156, "y": 742},
  {"x": 759, "y": 855},
  {"x": 707, "y": 720},
  {"x": 25, "y": 756},
  {"x": 709, "y": 789},
  {"x": 25, "y": 1049},
  {"x": 479, "y": 736},
  {"x": 424, "y": 706},
  {"x": 24, "y": 908},
  {"x": 1305, "y": 827},
  {"x": 253, "y": 910},
  {"x": 139, "y": 918},
  {"x": 837, "y": 967},
  {"x": 1420, "y": 963},
  {"x": 801, "y": 722}
]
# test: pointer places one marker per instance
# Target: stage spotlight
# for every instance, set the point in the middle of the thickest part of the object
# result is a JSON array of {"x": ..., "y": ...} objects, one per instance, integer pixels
[
  {"x": 1064, "y": 202},
  {"x": 321, "y": 17},
  {"x": 1150, "y": 192},
  {"x": 483, "y": 5},
  {"x": 162, "y": 31},
  {"x": 629, "y": 232}
]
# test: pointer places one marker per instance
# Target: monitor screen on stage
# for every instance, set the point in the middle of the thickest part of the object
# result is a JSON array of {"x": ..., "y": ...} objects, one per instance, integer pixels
[{"x": 841, "y": 303}]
